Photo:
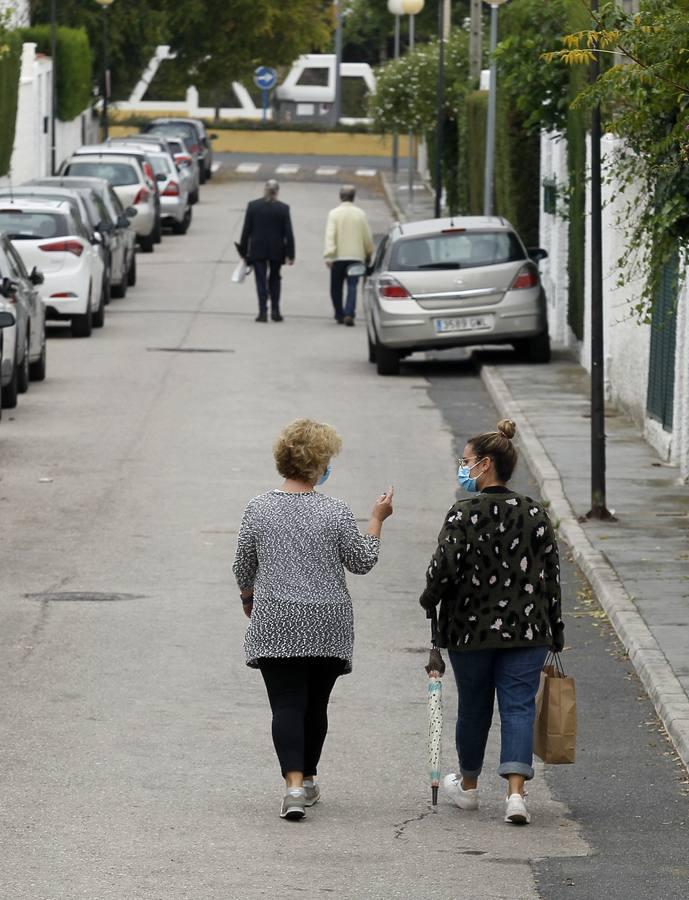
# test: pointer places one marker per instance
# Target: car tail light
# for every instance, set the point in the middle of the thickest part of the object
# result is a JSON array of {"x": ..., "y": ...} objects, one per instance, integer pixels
[
  {"x": 172, "y": 190},
  {"x": 75, "y": 247},
  {"x": 183, "y": 159},
  {"x": 63, "y": 294},
  {"x": 526, "y": 278},
  {"x": 391, "y": 289},
  {"x": 142, "y": 196}
]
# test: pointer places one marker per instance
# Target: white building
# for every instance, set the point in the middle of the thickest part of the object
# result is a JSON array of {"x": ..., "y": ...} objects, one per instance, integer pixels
[{"x": 646, "y": 366}]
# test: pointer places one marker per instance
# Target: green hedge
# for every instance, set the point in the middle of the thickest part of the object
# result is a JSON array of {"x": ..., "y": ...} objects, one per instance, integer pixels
[
  {"x": 10, "y": 66},
  {"x": 473, "y": 139},
  {"x": 74, "y": 66},
  {"x": 517, "y": 170}
]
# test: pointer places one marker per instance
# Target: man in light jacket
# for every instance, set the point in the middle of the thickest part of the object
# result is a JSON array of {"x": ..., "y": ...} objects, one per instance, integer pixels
[{"x": 347, "y": 240}]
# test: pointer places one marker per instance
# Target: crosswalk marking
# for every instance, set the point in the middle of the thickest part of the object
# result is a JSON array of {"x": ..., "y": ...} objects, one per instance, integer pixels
[
  {"x": 327, "y": 170},
  {"x": 285, "y": 169},
  {"x": 366, "y": 173},
  {"x": 248, "y": 167}
]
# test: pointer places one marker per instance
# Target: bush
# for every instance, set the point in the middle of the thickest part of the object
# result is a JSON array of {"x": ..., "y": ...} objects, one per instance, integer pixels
[
  {"x": 517, "y": 170},
  {"x": 473, "y": 139},
  {"x": 74, "y": 67},
  {"x": 10, "y": 66}
]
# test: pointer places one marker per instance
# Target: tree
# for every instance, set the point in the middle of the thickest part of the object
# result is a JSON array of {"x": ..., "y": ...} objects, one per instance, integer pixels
[{"x": 644, "y": 96}]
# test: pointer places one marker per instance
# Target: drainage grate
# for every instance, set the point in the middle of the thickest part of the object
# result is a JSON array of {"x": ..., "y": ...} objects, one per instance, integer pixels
[
  {"x": 188, "y": 350},
  {"x": 80, "y": 597}
]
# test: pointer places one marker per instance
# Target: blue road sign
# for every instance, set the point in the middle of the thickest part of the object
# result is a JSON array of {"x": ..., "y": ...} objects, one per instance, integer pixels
[{"x": 265, "y": 78}]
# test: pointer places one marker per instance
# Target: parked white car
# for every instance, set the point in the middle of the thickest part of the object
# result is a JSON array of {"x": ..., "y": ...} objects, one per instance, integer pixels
[
  {"x": 131, "y": 184},
  {"x": 24, "y": 350},
  {"x": 46, "y": 235}
]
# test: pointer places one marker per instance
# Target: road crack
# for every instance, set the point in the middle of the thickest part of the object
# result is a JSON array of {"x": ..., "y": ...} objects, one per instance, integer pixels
[{"x": 400, "y": 827}]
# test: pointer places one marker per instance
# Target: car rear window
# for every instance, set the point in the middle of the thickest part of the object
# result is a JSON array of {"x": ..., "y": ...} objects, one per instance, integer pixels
[
  {"x": 176, "y": 128},
  {"x": 118, "y": 174},
  {"x": 24, "y": 225},
  {"x": 161, "y": 165},
  {"x": 456, "y": 250}
]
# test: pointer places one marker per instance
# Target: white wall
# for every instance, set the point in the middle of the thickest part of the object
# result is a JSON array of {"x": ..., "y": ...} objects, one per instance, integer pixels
[
  {"x": 627, "y": 343},
  {"x": 31, "y": 154}
]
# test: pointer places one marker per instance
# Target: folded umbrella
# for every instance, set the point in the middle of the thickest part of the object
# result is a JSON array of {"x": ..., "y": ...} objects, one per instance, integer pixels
[{"x": 435, "y": 670}]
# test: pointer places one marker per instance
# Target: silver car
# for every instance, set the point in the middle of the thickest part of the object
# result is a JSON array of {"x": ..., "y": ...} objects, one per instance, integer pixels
[{"x": 445, "y": 283}]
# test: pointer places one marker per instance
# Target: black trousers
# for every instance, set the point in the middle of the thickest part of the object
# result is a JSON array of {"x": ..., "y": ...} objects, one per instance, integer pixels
[
  {"x": 299, "y": 689},
  {"x": 338, "y": 277},
  {"x": 268, "y": 281}
]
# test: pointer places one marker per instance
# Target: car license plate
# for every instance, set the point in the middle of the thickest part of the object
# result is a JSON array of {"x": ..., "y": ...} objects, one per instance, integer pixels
[{"x": 463, "y": 323}]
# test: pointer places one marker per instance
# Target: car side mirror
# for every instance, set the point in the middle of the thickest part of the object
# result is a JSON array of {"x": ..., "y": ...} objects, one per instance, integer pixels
[
  {"x": 8, "y": 288},
  {"x": 356, "y": 270},
  {"x": 131, "y": 211},
  {"x": 36, "y": 277},
  {"x": 122, "y": 221},
  {"x": 6, "y": 319},
  {"x": 161, "y": 176},
  {"x": 104, "y": 227},
  {"x": 537, "y": 253}
]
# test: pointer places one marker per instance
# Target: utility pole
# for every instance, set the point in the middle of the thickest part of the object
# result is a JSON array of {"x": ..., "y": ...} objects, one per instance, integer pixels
[
  {"x": 395, "y": 136},
  {"x": 337, "y": 105},
  {"x": 475, "y": 35},
  {"x": 440, "y": 112},
  {"x": 53, "y": 87},
  {"x": 599, "y": 508}
]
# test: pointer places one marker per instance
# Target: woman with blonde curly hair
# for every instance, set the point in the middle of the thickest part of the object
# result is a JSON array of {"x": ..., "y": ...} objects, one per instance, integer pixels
[{"x": 293, "y": 548}]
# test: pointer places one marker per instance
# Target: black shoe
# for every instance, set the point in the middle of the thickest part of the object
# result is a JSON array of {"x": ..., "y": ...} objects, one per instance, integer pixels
[
  {"x": 339, "y": 320},
  {"x": 276, "y": 317},
  {"x": 261, "y": 317},
  {"x": 349, "y": 320}
]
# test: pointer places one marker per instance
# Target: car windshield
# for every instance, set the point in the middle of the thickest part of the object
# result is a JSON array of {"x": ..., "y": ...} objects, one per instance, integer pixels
[
  {"x": 118, "y": 174},
  {"x": 24, "y": 225},
  {"x": 456, "y": 250},
  {"x": 177, "y": 127}
]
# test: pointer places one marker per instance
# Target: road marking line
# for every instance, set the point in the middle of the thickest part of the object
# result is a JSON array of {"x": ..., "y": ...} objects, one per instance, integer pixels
[
  {"x": 286, "y": 170},
  {"x": 249, "y": 168},
  {"x": 327, "y": 170},
  {"x": 216, "y": 167},
  {"x": 366, "y": 173}
]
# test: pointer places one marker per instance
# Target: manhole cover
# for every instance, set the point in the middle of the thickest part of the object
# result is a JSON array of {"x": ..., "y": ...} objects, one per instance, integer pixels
[
  {"x": 189, "y": 350},
  {"x": 81, "y": 596}
]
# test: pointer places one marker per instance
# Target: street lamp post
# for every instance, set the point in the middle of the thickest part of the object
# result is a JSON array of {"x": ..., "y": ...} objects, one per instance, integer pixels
[
  {"x": 104, "y": 4},
  {"x": 396, "y": 7},
  {"x": 53, "y": 86},
  {"x": 337, "y": 105},
  {"x": 440, "y": 103},
  {"x": 411, "y": 8},
  {"x": 490, "y": 119}
]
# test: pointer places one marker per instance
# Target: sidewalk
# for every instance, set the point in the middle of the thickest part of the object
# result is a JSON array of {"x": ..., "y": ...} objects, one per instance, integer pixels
[{"x": 638, "y": 566}]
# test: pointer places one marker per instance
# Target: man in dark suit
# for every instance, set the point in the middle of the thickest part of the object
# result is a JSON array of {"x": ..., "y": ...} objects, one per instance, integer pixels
[{"x": 267, "y": 242}]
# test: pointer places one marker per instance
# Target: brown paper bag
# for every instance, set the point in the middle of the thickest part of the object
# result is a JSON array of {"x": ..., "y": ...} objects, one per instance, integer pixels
[{"x": 555, "y": 727}]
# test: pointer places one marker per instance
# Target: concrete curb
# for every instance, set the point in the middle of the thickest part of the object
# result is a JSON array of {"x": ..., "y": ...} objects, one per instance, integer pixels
[
  {"x": 661, "y": 683},
  {"x": 391, "y": 199}
]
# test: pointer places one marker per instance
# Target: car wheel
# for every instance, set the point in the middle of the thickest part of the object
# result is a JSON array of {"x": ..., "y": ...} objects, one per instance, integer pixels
[
  {"x": 202, "y": 175},
  {"x": 371, "y": 348},
  {"x": 387, "y": 360},
  {"x": 131, "y": 274},
  {"x": 82, "y": 325},
  {"x": 158, "y": 231},
  {"x": 107, "y": 289},
  {"x": 10, "y": 392},
  {"x": 146, "y": 243},
  {"x": 98, "y": 318},
  {"x": 209, "y": 174},
  {"x": 23, "y": 370},
  {"x": 534, "y": 349},
  {"x": 37, "y": 369},
  {"x": 119, "y": 290},
  {"x": 183, "y": 226},
  {"x": 194, "y": 197}
]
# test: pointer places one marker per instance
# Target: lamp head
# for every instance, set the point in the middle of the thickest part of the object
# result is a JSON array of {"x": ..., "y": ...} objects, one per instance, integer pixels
[
  {"x": 412, "y": 7},
  {"x": 105, "y": 3},
  {"x": 396, "y": 7}
]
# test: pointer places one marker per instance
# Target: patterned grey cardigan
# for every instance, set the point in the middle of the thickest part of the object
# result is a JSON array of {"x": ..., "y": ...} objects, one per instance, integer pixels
[
  {"x": 496, "y": 575},
  {"x": 293, "y": 550}
]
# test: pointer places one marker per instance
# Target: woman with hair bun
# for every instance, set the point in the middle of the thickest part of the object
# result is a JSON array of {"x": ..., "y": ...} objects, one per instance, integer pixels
[
  {"x": 495, "y": 577},
  {"x": 293, "y": 548}
]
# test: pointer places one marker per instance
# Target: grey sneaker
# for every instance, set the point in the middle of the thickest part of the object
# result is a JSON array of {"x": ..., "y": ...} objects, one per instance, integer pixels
[
  {"x": 293, "y": 804},
  {"x": 313, "y": 794}
]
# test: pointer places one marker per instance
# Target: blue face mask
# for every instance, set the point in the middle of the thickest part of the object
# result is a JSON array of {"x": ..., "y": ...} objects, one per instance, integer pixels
[
  {"x": 324, "y": 477},
  {"x": 465, "y": 480}
]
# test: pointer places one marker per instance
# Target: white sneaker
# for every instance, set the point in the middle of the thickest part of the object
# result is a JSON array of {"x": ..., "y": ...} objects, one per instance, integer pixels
[
  {"x": 516, "y": 812},
  {"x": 452, "y": 785},
  {"x": 293, "y": 804}
]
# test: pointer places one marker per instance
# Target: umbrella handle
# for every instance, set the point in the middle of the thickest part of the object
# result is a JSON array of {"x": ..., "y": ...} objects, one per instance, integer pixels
[{"x": 434, "y": 627}]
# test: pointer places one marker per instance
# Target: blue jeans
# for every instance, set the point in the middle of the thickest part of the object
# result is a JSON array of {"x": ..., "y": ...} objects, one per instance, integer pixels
[
  {"x": 515, "y": 675},
  {"x": 338, "y": 277}
]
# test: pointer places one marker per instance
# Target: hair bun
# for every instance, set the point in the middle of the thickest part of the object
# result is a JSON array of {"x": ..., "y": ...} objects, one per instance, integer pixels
[{"x": 507, "y": 428}]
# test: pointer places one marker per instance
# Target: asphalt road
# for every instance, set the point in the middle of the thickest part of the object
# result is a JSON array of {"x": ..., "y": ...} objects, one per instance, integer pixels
[{"x": 136, "y": 757}]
